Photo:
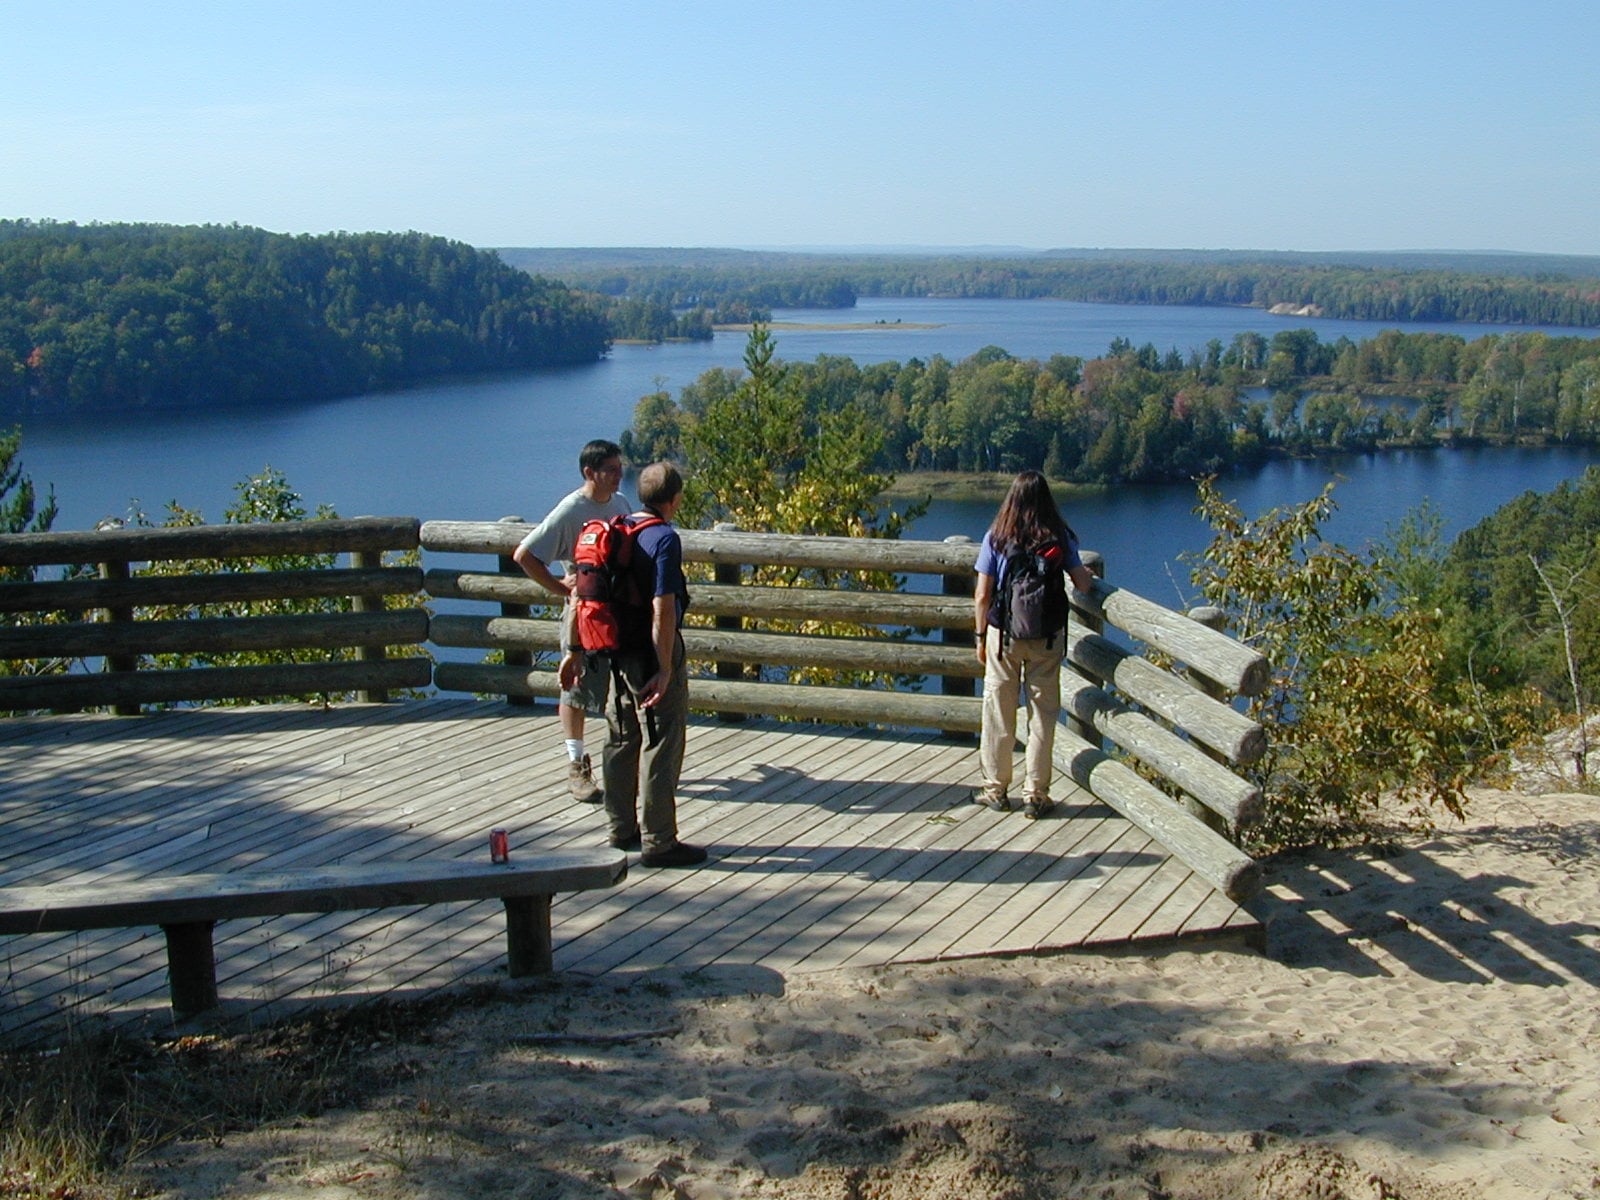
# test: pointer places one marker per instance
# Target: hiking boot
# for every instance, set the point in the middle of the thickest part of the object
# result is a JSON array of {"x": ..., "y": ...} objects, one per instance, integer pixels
[
  {"x": 991, "y": 799},
  {"x": 679, "y": 854},
  {"x": 631, "y": 841},
  {"x": 580, "y": 782},
  {"x": 1038, "y": 806}
]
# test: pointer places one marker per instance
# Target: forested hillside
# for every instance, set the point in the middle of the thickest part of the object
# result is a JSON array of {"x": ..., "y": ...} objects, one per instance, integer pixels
[
  {"x": 1499, "y": 289},
  {"x": 120, "y": 316}
]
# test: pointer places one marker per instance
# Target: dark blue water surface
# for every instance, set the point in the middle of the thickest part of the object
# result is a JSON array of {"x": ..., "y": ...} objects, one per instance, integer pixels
[{"x": 485, "y": 448}]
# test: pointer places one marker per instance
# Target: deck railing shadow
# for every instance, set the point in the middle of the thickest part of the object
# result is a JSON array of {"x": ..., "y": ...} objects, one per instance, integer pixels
[{"x": 1441, "y": 925}]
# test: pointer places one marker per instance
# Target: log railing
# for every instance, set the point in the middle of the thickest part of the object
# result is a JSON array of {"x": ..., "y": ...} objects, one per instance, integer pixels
[
  {"x": 1126, "y": 720},
  {"x": 1175, "y": 725},
  {"x": 89, "y": 618}
]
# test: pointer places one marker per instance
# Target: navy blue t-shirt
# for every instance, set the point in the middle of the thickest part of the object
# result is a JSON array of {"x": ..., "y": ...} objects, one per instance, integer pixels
[{"x": 659, "y": 564}]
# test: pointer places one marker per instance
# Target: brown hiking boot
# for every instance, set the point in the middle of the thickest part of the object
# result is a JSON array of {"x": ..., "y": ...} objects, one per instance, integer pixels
[
  {"x": 991, "y": 798},
  {"x": 580, "y": 782}
]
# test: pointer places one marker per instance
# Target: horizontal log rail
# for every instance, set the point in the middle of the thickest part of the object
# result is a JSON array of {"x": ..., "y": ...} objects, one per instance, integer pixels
[
  {"x": 123, "y": 634},
  {"x": 235, "y": 587},
  {"x": 338, "y": 536},
  {"x": 899, "y": 609},
  {"x": 218, "y": 635},
  {"x": 718, "y": 645},
  {"x": 198, "y": 684},
  {"x": 1206, "y": 851},
  {"x": 1210, "y": 721},
  {"x": 1234, "y": 667},
  {"x": 714, "y": 546},
  {"x": 837, "y": 705}
]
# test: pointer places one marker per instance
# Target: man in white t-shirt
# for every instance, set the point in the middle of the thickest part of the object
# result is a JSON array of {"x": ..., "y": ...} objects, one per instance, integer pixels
[{"x": 553, "y": 541}]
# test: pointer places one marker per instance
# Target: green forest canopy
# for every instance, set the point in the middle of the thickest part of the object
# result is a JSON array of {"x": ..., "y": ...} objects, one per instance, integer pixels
[
  {"x": 120, "y": 316},
  {"x": 98, "y": 316},
  {"x": 1137, "y": 415}
]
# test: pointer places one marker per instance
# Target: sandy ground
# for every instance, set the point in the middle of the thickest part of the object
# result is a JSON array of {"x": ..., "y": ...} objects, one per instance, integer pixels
[{"x": 1427, "y": 1026}]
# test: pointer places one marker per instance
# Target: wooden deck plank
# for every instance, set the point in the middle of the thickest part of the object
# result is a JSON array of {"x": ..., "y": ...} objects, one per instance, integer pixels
[
  {"x": 1079, "y": 833},
  {"x": 804, "y": 848},
  {"x": 786, "y": 814},
  {"x": 1177, "y": 909},
  {"x": 765, "y": 882},
  {"x": 1120, "y": 873},
  {"x": 982, "y": 861},
  {"x": 125, "y": 790},
  {"x": 831, "y": 847},
  {"x": 813, "y": 912},
  {"x": 1074, "y": 880},
  {"x": 1125, "y": 913}
]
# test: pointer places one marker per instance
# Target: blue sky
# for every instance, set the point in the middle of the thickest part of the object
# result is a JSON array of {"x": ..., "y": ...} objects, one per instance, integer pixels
[{"x": 1281, "y": 125}]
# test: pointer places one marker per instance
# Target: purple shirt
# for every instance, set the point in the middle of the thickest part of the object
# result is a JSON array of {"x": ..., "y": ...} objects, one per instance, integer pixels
[{"x": 993, "y": 563}]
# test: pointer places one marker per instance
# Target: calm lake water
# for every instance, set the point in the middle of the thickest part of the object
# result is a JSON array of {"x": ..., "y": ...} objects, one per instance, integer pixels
[{"x": 491, "y": 447}]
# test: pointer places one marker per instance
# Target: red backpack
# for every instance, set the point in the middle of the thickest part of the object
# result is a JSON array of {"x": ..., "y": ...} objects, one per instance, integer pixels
[{"x": 612, "y": 613}]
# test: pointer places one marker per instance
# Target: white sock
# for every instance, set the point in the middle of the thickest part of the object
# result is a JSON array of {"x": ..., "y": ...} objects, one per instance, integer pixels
[{"x": 575, "y": 749}]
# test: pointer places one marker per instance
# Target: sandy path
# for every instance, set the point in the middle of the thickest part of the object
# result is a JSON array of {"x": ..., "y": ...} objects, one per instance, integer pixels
[{"x": 1429, "y": 1027}]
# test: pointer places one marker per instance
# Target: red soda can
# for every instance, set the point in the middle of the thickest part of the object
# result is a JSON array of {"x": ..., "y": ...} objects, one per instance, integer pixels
[{"x": 499, "y": 846}]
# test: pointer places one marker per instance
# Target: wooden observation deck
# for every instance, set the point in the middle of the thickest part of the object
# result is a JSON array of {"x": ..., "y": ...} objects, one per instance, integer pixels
[
  {"x": 840, "y": 837},
  {"x": 830, "y": 847}
]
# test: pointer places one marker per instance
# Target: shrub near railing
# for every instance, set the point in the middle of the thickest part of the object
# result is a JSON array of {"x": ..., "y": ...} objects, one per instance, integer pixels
[
  {"x": 84, "y": 618},
  {"x": 1177, "y": 725}
]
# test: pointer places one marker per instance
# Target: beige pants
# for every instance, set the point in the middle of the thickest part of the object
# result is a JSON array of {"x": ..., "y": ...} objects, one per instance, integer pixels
[{"x": 1026, "y": 663}]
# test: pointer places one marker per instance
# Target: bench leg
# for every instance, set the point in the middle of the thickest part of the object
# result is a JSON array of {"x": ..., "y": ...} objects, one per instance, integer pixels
[
  {"x": 528, "y": 935},
  {"x": 191, "y": 967}
]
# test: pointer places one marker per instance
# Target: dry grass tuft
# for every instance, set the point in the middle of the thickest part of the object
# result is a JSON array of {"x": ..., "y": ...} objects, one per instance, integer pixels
[{"x": 75, "y": 1120}]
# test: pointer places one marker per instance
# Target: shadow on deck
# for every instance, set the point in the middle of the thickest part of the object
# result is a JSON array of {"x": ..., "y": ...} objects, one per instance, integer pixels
[{"x": 830, "y": 847}]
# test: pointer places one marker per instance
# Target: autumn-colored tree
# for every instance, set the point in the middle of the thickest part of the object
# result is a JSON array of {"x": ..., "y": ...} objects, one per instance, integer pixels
[{"x": 1365, "y": 728}]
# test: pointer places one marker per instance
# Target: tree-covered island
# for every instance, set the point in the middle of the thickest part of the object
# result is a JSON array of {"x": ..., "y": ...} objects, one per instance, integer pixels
[{"x": 1136, "y": 414}]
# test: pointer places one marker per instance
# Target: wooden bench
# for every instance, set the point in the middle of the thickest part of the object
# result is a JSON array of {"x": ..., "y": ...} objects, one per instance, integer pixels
[{"x": 186, "y": 907}]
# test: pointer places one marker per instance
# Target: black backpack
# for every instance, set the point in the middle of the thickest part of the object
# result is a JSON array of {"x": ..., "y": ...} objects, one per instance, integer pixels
[{"x": 1033, "y": 601}]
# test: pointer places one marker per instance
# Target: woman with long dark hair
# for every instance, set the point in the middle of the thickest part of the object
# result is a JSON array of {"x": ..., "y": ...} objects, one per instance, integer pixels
[{"x": 1019, "y": 609}]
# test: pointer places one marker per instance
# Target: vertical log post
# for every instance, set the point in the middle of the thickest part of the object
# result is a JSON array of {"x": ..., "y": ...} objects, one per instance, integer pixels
[
  {"x": 1212, "y": 618},
  {"x": 732, "y": 575},
  {"x": 369, "y": 604},
  {"x": 516, "y": 658},
  {"x": 191, "y": 968},
  {"x": 958, "y": 635},
  {"x": 528, "y": 944},
  {"x": 1094, "y": 624},
  {"x": 120, "y": 613}
]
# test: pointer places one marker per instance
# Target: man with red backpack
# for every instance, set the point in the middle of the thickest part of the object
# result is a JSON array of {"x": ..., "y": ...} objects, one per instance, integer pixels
[
  {"x": 646, "y": 596},
  {"x": 555, "y": 539}
]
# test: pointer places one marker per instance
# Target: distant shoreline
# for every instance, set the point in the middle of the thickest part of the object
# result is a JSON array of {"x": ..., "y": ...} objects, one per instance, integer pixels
[
  {"x": 969, "y": 486},
  {"x": 835, "y": 326}
]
